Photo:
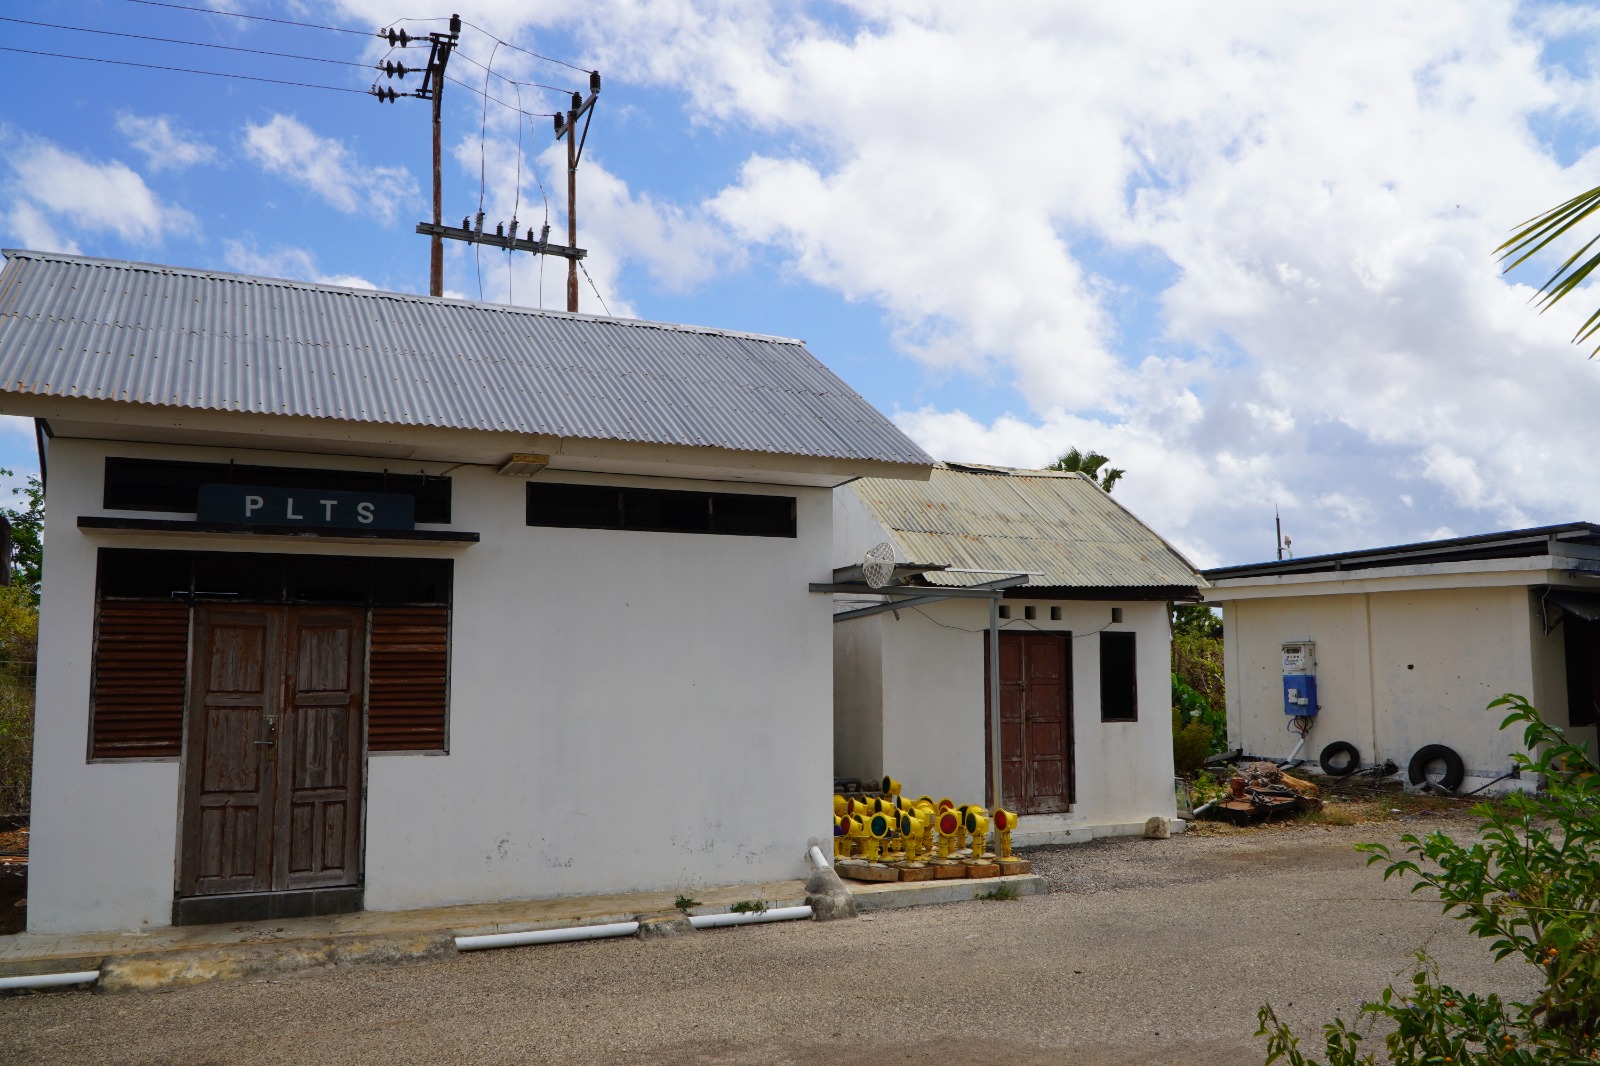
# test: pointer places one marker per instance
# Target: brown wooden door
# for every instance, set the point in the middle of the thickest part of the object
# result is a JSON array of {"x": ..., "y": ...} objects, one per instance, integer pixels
[
  {"x": 1035, "y": 722},
  {"x": 273, "y": 756}
]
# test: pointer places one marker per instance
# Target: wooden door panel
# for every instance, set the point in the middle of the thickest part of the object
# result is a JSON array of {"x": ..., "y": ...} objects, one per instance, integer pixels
[
  {"x": 228, "y": 776},
  {"x": 1035, "y": 722},
  {"x": 320, "y": 761}
]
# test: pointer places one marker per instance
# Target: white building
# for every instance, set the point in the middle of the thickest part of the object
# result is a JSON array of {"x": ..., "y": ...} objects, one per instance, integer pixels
[
  {"x": 1080, "y": 592},
  {"x": 357, "y": 599},
  {"x": 1411, "y": 643}
]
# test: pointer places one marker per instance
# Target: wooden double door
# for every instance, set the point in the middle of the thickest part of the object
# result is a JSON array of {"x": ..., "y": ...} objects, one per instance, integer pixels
[
  {"x": 1036, "y": 772},
  {"x": 273, "y": 750}
]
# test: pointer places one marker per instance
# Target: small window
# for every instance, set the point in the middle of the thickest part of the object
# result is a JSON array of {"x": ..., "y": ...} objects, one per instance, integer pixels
[
  {"x": 1005, "y": 611},
  {"x": 1119, "y": 693},
  {"x": 660, "y": 510},
  {"x": 1583, "y": 694},
  {"x": 1029, "y": 613},
  {"x": 164, "y": 485},
  {"x": 1055, "y": 614}
]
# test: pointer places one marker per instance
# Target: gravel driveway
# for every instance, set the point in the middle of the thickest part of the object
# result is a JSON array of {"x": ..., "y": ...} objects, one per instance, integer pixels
[{"x": 1146, "y": 951}]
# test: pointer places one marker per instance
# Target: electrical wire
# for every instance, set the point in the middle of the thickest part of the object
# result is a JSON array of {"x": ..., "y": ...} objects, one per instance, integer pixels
[
  {"x": 257, "y": 18},
  {"x": 483, "y": 142},
  {"x": 457, "y": 53},
  {"x": 502, "y": 103},
  {"x": 596, "y": 288},
  {"x": 518, "y": 48},
  {"x": 185, "y": 70},
  {"x": 516, "y": 205},
  {"x": 191, "y": 44}
]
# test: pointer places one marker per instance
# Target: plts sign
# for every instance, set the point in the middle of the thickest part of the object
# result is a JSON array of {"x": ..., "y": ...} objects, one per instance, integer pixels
[{"x": 259, "y": 505}]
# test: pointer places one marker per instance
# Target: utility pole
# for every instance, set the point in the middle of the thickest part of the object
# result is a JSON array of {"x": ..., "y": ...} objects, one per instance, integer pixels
[
  {"x": 584, "y": 109},
  {"x": 433, "y": 89},
  {"x": 441, "y": 45}
]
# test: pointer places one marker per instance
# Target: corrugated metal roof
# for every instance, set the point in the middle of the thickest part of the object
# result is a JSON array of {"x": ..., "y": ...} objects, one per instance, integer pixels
[
  {"x": 1061, "y": 527},
  {"x": 139, "y": 333}
]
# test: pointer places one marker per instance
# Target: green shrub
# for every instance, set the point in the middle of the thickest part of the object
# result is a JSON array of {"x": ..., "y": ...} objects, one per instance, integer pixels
[
  {"x": 1198, "y": 729},
  {"x": 1530, "y": 889},
  {"x": 19, "y": 636}
]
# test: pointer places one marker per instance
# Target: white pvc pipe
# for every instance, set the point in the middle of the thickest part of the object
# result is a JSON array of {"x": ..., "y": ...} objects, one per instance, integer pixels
[
  {"x": 775, "y": 914},
  {"x": 815, "y": 855},
  {"x": 50, "y": 980},
  {"x": 545, "y": 936}
]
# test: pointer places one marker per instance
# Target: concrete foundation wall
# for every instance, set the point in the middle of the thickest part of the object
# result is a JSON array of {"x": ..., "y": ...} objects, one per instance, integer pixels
[{"x": 628, "y": 711}]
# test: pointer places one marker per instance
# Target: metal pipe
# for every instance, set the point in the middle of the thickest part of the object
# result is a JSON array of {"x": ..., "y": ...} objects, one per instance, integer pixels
[
  {"x": 546, "y": 936},
  {"x": 50, "y": 980},
  {"x": 995, "y": 798},
  {"x": 774, "y": 914}
]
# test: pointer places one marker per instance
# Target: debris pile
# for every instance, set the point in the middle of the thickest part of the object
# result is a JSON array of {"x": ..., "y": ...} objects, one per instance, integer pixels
[{"x": 1262, "y": 790}]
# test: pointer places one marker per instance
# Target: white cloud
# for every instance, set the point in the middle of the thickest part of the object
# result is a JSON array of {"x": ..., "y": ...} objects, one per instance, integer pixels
[
  {"x": 296, "y": 264},
  {"x": 164, "y": 144},
  {"x": 1245, "y": 252},
  {"x": 51, "y": 190},
  {"x": 285, "y": 146}
]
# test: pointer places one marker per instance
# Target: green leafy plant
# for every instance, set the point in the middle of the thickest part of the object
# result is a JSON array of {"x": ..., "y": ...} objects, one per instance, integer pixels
[
  {"x": 749, "y": 906},
  {"x": 1198, "y": 729},
  {"x": 685, "y": 903},
  {"x": 1530, "y": 888}
]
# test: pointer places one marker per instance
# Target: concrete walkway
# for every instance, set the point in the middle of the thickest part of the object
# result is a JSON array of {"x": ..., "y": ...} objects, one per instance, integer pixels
[{"x": 183, "y": 955}]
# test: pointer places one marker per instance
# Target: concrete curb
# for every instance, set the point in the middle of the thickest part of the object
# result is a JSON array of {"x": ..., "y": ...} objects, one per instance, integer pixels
[
  {"x": 895, "y": 894},
  {"x": 178, "y": 968}
]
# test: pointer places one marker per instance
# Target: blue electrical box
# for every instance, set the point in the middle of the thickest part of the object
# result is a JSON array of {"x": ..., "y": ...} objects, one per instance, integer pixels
[{"x": 1300, "y": 679}]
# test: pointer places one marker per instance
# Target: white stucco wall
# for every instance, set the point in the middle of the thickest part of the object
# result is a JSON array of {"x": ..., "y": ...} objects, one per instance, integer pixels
[
  {"x": 628, "y": 710},
  {"x": 1395, "y": 671},
  {"x": 933, "y": 704}
]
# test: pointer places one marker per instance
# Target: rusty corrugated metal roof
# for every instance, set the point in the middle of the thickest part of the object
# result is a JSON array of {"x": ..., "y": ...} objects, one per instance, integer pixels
[
  {"x": 1061, "y": 527},
  {"x": 139, "y": 333}
]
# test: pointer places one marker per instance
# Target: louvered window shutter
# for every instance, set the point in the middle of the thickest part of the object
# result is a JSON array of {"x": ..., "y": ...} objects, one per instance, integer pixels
[
  {"x": 408, "y": 679},
  {"x": 141, "y": 658}
]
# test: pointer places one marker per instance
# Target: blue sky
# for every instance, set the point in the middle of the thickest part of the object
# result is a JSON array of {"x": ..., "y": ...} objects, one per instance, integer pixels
[{"x": 1248, "y": 255}]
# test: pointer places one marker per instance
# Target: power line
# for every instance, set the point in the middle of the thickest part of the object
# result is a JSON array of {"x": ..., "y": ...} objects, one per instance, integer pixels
[
  {"x": 509, "y": 81},
  {"x": 254, "y": 18},
  {"x": 508, "y": 44},
  {"x": 192, "y": 44},
  {"x": 502, "y": 103},
  {"x": 184, "y": 70},
  {"x": 483, "y": 149}
]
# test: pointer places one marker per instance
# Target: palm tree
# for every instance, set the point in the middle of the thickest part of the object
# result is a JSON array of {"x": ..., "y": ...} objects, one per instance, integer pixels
[
  {"x": 1537, "y": 233},
  {"x": 1073, "y": 461}
]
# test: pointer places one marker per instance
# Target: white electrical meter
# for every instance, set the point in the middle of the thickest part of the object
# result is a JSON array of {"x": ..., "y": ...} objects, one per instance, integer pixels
[{"x": 1300, "y": 678}]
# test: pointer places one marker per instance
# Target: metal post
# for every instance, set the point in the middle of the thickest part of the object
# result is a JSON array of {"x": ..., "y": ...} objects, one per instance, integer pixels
[
  {"x": 436, "y": 251},
  {"x": 572, "y": 208},
  {"x": 996, "y": 793}
]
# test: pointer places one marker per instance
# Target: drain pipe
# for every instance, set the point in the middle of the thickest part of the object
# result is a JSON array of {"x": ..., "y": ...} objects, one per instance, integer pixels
[
  {"x": 50, "y": 980},
  {"x": 546, "y": 936},
  {"x": 818, "y": 862},
  {"x": 775, "y": 914}
]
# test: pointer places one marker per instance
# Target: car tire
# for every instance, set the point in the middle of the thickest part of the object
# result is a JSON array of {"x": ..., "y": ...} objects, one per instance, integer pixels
[
  {"x": 1340, "y": 759},
  {"x": 1455, "y": 770}
]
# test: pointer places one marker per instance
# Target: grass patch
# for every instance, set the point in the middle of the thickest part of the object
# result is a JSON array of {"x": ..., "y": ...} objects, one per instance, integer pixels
[
  {"x": 749, "y": 906},
  {"x": 1003, "y": 893},
  {"x": 684, "y": 903}
]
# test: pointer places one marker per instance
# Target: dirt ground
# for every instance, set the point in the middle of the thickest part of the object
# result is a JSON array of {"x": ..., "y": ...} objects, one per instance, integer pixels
[{"x": 1144, "y": 951}]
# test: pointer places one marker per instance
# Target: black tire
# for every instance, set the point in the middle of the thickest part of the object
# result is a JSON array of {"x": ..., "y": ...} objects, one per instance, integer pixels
[
  {"x": 1335, "y": 756},
  {"x": 1455, "y": 771}
]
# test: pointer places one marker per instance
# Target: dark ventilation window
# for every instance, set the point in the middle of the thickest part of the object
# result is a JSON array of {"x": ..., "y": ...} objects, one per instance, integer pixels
[
  {"x": 1119, "y": 691},
  {"x": 251, "y": 577},
  {"x": 660, "y": 510},
  {"x": 161, "y": 485},
  {"x": 1583, "y": 685}
]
